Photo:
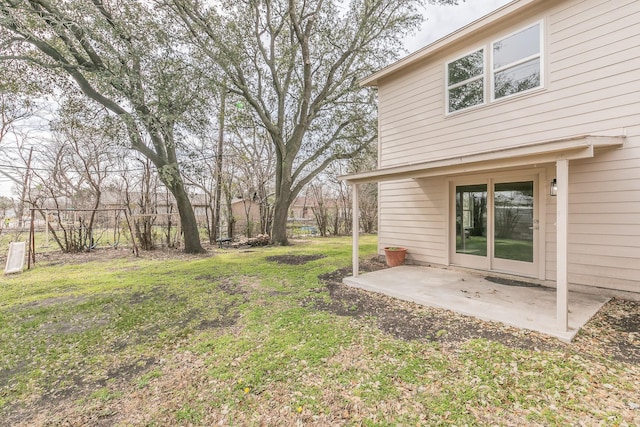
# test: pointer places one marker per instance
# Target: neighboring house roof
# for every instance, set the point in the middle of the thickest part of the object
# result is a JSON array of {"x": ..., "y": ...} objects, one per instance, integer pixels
[
  {"x": 457, "y": 37},
  {"x": 199, "y": 199}
]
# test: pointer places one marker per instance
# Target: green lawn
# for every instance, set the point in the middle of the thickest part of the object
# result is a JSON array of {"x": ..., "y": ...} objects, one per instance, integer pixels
[
  {"x": 472, "y": 245},
  {"x": 232, "y": 338},
  {"x": 519, "y": 250}
]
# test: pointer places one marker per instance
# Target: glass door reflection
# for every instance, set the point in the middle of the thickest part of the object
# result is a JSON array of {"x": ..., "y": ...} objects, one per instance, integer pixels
[
  {"x": 513, "y": 221},
  {"x": 471, "y": 219}
]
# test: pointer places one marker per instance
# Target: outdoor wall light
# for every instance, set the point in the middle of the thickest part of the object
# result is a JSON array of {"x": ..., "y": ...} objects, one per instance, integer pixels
[{"x": 553, "y": 188}]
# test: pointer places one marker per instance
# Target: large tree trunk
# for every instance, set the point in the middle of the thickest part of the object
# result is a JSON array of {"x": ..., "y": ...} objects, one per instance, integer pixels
[
  {"x": 187, "y": 216},
  {"x": 280, "y": 215},
  {"x": 284, "y": 197}
]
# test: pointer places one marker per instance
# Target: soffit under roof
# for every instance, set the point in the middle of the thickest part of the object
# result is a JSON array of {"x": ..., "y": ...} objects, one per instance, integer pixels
[{"x": 578, "y": 147}]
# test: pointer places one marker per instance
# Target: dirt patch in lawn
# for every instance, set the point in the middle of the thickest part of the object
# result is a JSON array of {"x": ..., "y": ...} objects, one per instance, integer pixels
[
  {"x": 294, "y": 259},
  {"x": 613, "y": 332},
  {"x": 53, "y": 301}
]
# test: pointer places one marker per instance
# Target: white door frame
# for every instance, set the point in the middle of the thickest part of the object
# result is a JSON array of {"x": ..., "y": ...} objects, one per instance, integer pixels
[{"x": 489, "y": 262}]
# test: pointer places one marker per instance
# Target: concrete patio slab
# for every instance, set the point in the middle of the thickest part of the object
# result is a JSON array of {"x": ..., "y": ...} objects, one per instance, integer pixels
[{"x": 471, "y": 294}]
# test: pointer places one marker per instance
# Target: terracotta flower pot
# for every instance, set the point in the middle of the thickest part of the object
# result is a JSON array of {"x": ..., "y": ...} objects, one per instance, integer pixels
[{"x": 395, "y": 255}]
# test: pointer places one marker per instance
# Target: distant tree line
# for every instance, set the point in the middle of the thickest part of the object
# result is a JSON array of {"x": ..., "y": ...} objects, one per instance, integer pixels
[{"x": 227, "y": 99}]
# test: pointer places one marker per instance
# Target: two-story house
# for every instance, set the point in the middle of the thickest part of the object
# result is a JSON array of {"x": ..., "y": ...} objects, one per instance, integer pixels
[{"x": 513, "y": 145}]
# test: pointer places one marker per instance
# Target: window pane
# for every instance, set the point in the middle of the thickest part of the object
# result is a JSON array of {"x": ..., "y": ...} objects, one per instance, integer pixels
[
  {"x": 471, "y": 220},
  {"x": 516, "y": 47},
  {"x": 513, "y": 221},
  {"x": 517, "y": 79},
  {"x": 466, "y": 95},
  {"x": 466, "y": 68}
]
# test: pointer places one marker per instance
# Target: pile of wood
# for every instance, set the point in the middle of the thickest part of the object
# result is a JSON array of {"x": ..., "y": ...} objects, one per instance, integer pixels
[{"x": 259, "y": 240}]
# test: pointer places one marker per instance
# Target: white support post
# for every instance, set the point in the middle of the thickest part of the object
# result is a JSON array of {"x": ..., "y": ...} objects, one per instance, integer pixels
[
  {"x": 355, "y": 230},
  {"x": 562, "y": 259}
]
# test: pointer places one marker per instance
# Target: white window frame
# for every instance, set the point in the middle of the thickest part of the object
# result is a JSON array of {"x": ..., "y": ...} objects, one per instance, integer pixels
[
  {"x": 488, "y": 82},
  {"x": 539, "y": 55},
  {"x": 464, "y": 82}
]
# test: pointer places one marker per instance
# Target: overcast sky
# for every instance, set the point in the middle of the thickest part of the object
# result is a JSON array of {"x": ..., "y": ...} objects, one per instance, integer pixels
[{"x": 442, "y": 20}]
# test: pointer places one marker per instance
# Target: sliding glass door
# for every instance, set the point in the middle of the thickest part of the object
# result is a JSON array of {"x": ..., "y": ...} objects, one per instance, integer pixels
[
  {"x": 495, "y": 224},
  {"x": 514, "y": 227}
]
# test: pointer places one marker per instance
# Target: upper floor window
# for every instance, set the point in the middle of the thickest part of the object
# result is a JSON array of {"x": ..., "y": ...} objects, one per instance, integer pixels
[
  {"x": 514, "y": 64},
  {"x": 465, "y": 81},
  {"x": 517, "y": 62}
]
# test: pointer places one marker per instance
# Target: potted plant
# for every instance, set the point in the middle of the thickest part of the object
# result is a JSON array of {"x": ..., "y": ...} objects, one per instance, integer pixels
[{"x": 395, "y": 255}]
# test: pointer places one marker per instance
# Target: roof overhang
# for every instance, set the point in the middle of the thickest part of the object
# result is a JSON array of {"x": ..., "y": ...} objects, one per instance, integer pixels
[
  {"x": 514, "y": 7},
  {"x": 579, "y": 147}
]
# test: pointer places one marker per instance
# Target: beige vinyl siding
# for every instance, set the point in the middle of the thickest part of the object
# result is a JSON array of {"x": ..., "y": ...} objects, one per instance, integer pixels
[
  {"x": 414, "y": 217},
  {"x": 604, "y": 219},
  {"x": 412, "y": 111},
  {"x": 602, "y": 29},
  {"x": 592, "y": 87},
  {"x": 576, "y": 114}
]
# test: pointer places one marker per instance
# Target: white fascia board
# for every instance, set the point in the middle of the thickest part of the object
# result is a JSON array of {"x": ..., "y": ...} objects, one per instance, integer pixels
[
  {"x": 578, "y": 147},
  {"x": 486, "y": 21}
]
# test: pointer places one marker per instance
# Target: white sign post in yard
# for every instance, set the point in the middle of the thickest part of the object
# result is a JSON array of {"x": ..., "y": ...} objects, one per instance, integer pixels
[{"x": 15, "y": 259}]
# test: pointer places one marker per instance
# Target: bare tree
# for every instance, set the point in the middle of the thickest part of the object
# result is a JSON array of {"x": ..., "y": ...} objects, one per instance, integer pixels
[
  {"x": 89, "y": 140},
  {"x": 330, "y": 203},
  {"x": 320, "y": 206},
  {"x": 16, "y": 106},
  {"x": 368, "y": 203},
  {"x": 368, "y": 194},
  {"x": 5, "y": 204},
  {"x": 140, "y": 200},
  {"x": 255, "y": 159},
  {"x": 200, "y": 174},
  {"x": 73, "y": 174}
]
